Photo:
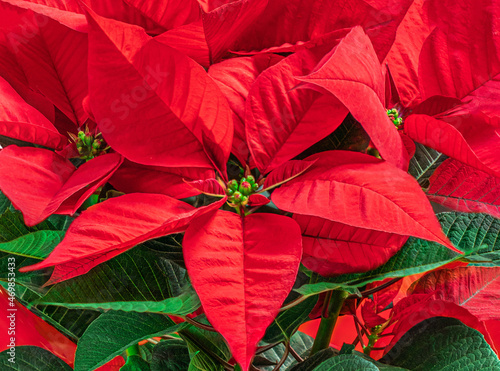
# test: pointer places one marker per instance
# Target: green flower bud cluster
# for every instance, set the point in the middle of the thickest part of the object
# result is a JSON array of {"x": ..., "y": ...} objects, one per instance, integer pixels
[
  {"x": 394, "y": 116},
  {"x": 238, "y": 192},
  {"x": 89, "y": 146}
]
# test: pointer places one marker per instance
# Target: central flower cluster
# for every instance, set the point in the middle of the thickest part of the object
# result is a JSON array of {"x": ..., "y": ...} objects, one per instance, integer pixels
[
  {"x": 238, "y": 192},
  {"x": 394, "y": 116},
  {"x": 88, "y": 145}
]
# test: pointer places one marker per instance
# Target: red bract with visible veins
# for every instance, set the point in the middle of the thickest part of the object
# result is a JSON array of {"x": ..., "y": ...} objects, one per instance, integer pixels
[
  {"x": 167, "y": 100},
  {"x": 187, "y": 113},
  {"x": 232, "y": 266},
  {"x": 62, "y": 188}
]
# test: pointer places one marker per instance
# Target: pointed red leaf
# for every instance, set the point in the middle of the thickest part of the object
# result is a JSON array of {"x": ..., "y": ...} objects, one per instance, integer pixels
[
  {"x": 332, "y": 248},
  {"x": 21, "y": 121},
  {"x": 436, "y": 105},
  {"x": 361, "y": 191},
  {"x": 114, "y": 226},
  {"x": 463, "y": 188},
  {"x": 242, "y": 269},
  {"x": 121, "y": 11},
  {"x": 258, "y": 200},
  {"x": 235, "y": 78},
  {"x": 67, "y": 12},
  {"x": 352, "y": 73},
  {"x": 168, "y": 13},
  {"x": 403, "y": 56},
  {"x": 53, "y": 57},
  {"x": 295, "y": 21},
  {"x": 286, "y": 172},
  {"x": 209, "y": 187},
  {"x": 416, "y": 308},
  {"x": 410, "y": 148},
  {"x": 40, "y": 182},
  {"x": 34, "y": 331},
  {"x": 226, "y": 23},
  {"x": 461, "y": 58},
  {"x": 13, "y": 73},
  {"x": 185, "y": 119},
  {"x": 471, "y": 139},
  {"x": 190, "y": 40},
  {"x": 473, "y": 288},
  {"x": 281, "y": 121},
  {"x": 209, "y": 5},
  {"x": 170, "y": 181}
]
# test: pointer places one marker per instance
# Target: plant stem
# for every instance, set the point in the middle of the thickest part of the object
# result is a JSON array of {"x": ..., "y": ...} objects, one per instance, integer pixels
[
  {"x": 133, "y": 350},
  {"x": 329, "y": 319},
  {"x": 367, "y": 293},
  {"x": 199, "y": 324}
]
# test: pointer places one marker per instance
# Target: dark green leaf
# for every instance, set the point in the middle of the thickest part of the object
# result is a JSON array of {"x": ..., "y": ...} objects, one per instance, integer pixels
[
  {"x": 135, "y": 363},
  {"x": 288, "y": 321},
  {"x": 72, "y": 322},
  {"x": 170, "y": 247},
  {"x": 318, "y": 288},
  {"x": 29, "y": 358},
  {"x": 346, "y": 362},
  {"x": 135, "y": 276},
  {"x": 350, "y": 135},
  {"x": 442, "y": 344},
  {"x": 205, "y": 348},
  {"x": 424, "y": 162},
  {"x": 187, "y": 302},
  {"x": 37, "y": 245},
  {"x": 347, "y": 348},
  {"x": 300, "y": 342},
  {"x": 314, "y": 361},
  {"x": 418, "y": 256},
  {"x": 114, "y": 331},
  {"x": 171, "y": 355},
  {"x": 4, "y": 203},
  {"x": 479, "y": 232}
]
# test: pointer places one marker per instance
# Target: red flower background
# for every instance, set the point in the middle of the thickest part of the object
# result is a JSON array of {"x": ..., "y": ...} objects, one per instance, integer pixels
[{"x": 291, "y": 148}]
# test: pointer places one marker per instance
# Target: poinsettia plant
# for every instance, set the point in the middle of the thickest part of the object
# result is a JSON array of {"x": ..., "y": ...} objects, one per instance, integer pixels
[{"x": 250, "y": 184}]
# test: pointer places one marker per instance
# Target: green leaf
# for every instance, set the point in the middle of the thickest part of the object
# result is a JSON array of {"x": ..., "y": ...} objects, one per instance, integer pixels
[
  {"x": 139, "y": 276},
  {"x": 318, "y": 288},
  {"x": 172, "y": 355},
  {"x": 169, "y": 246},
  {"x": 12, "y": 226},
  {"x": 27, "y": 245},
  {"x": 36, "y": 245},
  {"x": 478, "y": 232},
  {"x": 72, "y": 322},
  {"x": 346, "y": 362},
  {"x": 300, "y": 342},
  {"x": 442, "y": 344},
  {"x": 32, "y": 242},
  {"x": 114, "y": 331},
  {"x": 347, "y": 348},
  {"x": 288, "y": 321},
  {"x": 135, "y": 363},
  {"x": 205, "y": 348},
  {"x": 350, "y": 135},
  {"x": 424, "y": 163},
  {"x": 314, "y": 361},
  {"x": 29, "y": 358},
  {"x": 4, "y": 203},
  {"x": 185, "y": 303}
]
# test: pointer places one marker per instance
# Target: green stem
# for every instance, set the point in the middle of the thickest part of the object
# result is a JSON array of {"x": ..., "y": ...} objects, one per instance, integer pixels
[
  {"x": 333, "y": 304},
  {"x": 133, "y": 350}
]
